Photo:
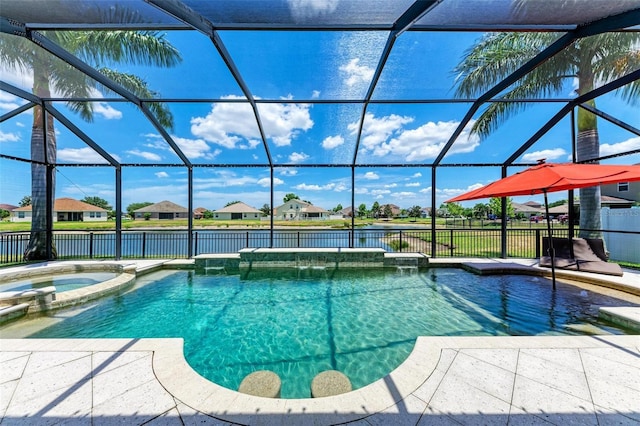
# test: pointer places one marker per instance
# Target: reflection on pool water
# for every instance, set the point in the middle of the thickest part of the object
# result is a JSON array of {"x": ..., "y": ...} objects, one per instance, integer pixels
[
  {"x": 299, "y": 323},
  {"x": 62, "y": 282}
]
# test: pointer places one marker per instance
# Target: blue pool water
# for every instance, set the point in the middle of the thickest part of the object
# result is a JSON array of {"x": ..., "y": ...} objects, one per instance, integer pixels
[
  {"x": 62, "y": 282},
  {"x": 299, "y": 323}
]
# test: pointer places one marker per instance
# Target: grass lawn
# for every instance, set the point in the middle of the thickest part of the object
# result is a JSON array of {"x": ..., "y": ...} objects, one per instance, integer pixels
[{"x": 6, "y": 226}]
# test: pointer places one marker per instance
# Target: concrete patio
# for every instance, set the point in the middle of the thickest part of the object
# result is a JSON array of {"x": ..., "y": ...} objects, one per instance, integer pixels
[{"x": 489, "y": 380}]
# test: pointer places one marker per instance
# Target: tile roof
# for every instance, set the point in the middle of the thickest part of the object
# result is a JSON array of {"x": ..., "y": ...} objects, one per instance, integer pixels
[
  {"x": 314, "y": 209},
  {"x": 67, "y": 205},
  {"x": 162, "y": 207},
  {"x": 238, "y": 207}
]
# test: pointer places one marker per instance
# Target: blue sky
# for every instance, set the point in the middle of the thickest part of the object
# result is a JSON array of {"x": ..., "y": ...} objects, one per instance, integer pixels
[{"x": 285, "y": 66}]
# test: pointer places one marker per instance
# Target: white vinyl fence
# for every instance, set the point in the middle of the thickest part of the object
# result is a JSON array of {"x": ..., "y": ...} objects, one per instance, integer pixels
[{"x": 622, "y": 247}]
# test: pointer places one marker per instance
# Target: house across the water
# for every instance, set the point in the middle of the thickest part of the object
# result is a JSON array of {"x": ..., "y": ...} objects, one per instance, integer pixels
[{"x": 65, "y": 210}]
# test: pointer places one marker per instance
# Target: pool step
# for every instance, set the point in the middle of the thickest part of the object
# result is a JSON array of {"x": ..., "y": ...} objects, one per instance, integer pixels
[
  {"x": 626, "y": 316},
  {"x": 37, "y": 299},
  {"x": 213, "y": 270},
  {"x": 10, "y": 312}
]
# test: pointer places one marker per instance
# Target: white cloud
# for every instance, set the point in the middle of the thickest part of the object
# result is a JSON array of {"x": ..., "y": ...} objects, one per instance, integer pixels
[
  {"x": 391, "y": 185},
  {"x": 417, "y": 175},
  {"x": 380, "y": 192},
  {"x": 305, "y": 187},
  {"x": 452, "y": 192},
  {"x": 195, "y": 148},
  {"x": 106, "y": 111},
  {"x": 223, "y": 179},
  {"x": 81, "y": 189},
  {"x": 340, "y": 187},
  {"x": 162, "y": 175},
  {"x": 229, "y": 123},
  {"x": 548, "y": 154},
  {"x": 288, "y": 172},
  {"x": 315, "y": 94},
  {"x": 616, "y": 148},
  {"x": 361, "y": 190},
  {"x": 298, "y": 157},
  {"x": 144, "y": 154},
  {"x": 332, "y": 142},
  {"x": 411, "y": 184},
  {"x": 9, "y": 137},
  {"x": 82, "y": 156},
  {"x": 192, "y": 148},
  {"x": 403, "y": 195},
  {"x": 303, "y": 10},
  {"x": 9, "y": 102},
  {"x": 377, "y": 130},
  {"x": 266, "y": 182},
  {"x": 24, "y": 79},
  {"x": 386, "y": 136},
  {"x": 371, "y": 176},
  {"x": 251, "y": 144},
  {"x": 356, "y": 73}
]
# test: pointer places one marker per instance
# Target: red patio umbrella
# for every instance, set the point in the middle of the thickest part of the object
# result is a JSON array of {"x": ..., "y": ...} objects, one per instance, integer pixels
[{"x": 551, "y": 177}]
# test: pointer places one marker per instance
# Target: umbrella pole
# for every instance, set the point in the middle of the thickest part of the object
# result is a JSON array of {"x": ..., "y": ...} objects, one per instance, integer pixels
[{"x": 552, "y": 251}]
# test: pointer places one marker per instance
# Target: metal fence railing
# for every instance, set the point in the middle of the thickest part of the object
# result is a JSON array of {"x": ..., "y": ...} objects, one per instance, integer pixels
[{"x": 451, "y": 242}]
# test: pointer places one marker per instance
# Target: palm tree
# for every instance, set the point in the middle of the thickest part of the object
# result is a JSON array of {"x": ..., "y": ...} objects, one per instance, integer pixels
[
  {"x": 96, "y": 48},
  {"x": 480, "y": 210},
  {"x": 589, "y": 61}
]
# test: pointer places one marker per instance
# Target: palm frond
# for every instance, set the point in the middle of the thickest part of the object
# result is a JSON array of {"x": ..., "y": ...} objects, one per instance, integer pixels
[
  {"x": 596, "y": 59},
  {"x": 139, "y": 87},
  {"x": 16, "y": 52},
  {"x": 106, "y": 48},
  {"x": 493, "y": 58}
]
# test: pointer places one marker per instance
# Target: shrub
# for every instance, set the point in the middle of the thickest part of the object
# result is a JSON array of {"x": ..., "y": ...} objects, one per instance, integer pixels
[{"x": 395, "y": 245}]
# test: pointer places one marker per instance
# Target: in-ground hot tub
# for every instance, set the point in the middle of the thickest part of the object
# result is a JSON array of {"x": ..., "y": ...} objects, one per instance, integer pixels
[{"x": 44, "y": 287}]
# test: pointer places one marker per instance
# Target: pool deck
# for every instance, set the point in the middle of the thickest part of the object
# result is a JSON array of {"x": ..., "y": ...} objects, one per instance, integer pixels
[{"x": 446, "y": 380}]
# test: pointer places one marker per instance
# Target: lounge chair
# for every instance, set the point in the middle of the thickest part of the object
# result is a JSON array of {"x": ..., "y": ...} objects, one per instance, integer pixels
[{"x": 580, "y": 254}]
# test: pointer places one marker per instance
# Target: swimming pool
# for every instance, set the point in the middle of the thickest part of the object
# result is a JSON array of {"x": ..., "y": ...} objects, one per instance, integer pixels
[
  {"x": 62, "y": 282},
  {"x": 299, "y": 323}
]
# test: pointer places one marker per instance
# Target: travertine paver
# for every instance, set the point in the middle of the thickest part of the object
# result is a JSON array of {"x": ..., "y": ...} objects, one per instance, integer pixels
[{"x": 500, "y": 381}]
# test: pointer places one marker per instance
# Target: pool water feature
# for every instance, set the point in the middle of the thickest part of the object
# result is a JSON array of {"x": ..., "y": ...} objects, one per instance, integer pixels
[
  {"x": 300, "y": 322},
  {"x": 62, "y": 282}
]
